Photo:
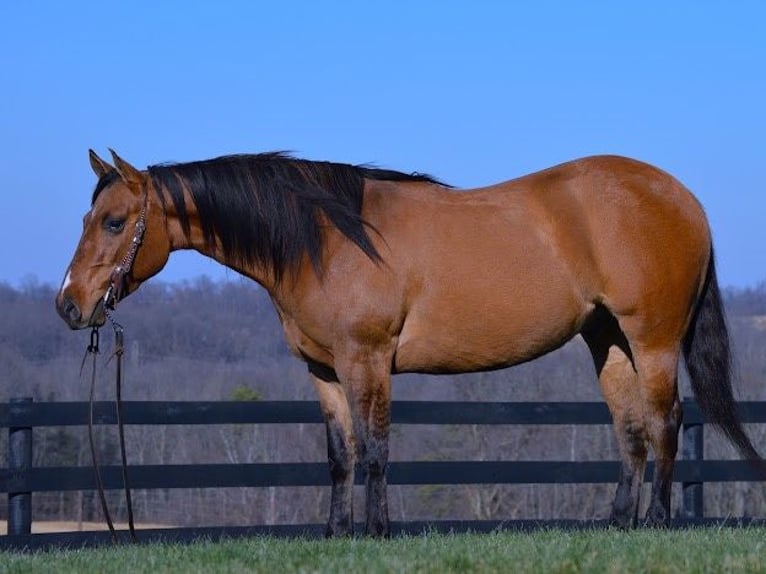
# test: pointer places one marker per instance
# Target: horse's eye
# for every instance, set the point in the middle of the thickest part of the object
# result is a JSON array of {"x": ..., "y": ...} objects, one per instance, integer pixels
[{"x": 114, "y": 224}]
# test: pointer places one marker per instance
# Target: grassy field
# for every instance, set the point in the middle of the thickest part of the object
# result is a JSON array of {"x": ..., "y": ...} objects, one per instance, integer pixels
[{"x": 704, "y": 550}]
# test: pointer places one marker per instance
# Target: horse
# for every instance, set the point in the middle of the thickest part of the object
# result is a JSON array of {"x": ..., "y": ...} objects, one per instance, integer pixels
[{"x": 375, "y": 272}]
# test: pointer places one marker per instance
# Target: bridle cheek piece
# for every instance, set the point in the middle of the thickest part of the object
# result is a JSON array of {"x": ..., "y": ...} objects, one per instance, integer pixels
[{"x": 118, "y": 280}]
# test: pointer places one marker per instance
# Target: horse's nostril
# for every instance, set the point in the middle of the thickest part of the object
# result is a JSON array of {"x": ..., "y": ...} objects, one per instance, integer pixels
[{"x": 69, "y": 311}]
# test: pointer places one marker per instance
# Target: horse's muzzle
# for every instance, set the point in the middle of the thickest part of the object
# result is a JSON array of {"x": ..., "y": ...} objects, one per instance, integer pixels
[
  {"x": 69, "y": 311},
  {"x": 72, "y": 315}
]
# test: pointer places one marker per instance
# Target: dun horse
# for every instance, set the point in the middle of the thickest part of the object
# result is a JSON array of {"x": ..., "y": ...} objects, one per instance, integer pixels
[{"x": 375, "y": 272}]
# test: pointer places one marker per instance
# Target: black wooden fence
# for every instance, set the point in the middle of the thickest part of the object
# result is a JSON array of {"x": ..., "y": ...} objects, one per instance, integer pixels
[{"x": 19, "y": 479}]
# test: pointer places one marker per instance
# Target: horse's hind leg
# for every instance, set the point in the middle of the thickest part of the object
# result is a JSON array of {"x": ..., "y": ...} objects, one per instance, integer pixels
[
  {"x": 658, "y": 380},
  {"x": 619, "y": 385},
  {"x": 654, "y": 352}
]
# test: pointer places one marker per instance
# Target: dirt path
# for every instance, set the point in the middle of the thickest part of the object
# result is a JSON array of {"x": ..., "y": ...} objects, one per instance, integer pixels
[{"x": 39, "y": 527}]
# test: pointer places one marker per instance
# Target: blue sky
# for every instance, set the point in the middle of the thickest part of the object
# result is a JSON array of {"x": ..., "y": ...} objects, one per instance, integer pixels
[{"x": 473, "y": 93}]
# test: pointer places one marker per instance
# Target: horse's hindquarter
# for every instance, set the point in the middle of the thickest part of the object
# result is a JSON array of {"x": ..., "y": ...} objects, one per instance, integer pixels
[{"x": 651, "y": 244}]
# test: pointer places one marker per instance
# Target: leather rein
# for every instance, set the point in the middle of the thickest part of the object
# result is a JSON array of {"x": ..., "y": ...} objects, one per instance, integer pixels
[{"x": 116, "y": 290}]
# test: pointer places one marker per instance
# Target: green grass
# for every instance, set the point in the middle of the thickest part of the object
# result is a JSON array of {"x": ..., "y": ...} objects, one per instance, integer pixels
[{"x": 703, "y": 550}]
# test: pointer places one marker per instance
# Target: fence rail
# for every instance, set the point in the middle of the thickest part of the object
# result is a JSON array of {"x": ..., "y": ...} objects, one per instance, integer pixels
[{"x": 19, "y": 479}]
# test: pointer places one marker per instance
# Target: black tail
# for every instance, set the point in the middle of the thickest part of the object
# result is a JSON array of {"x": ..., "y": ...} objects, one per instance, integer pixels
[{"x": 708, "y": 360}]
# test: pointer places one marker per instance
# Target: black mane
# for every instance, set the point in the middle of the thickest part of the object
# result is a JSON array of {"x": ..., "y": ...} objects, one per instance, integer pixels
[{"x": 263, "y": 208}]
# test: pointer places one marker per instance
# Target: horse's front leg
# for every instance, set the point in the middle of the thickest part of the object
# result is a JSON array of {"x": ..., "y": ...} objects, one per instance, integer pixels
[
  {"x": 341, "y": 451},
  {"x": 366, "y": 377}
]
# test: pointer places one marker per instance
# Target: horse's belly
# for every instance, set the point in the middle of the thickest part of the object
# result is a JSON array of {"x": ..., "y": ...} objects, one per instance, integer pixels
[{"x": 464, "y": 341}]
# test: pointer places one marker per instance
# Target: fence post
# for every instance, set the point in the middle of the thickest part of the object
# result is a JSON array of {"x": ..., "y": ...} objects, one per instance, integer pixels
[
  {"x": 693, "y": 451},
  {"x": 19, "y": 462}
]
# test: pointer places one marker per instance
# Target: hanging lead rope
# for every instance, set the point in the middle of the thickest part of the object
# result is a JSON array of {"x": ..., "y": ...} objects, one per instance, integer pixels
[
  {"x": 119, "y": 350},
  {"x": 93, "y": 351}
]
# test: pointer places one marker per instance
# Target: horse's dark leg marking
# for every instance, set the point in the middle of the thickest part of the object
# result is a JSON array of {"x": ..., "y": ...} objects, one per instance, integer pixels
[
  {"x": 375, "y": 460},
  {"x": 632, "y": 441},
  {"x": 658, "y": 513},
  {"x": 341, "y": 460}
]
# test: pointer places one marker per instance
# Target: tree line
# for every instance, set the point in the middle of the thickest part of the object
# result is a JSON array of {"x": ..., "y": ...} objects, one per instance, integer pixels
[{"x": 205, "y": 340}]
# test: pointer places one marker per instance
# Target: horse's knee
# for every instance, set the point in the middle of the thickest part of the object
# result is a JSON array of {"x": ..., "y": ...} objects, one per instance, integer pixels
[
  {"x": 376, "y": 455},
  {"x": 633, "y": 438},
  {"x": 664, "y": 415},
  {"x": 664, "y": 431}
]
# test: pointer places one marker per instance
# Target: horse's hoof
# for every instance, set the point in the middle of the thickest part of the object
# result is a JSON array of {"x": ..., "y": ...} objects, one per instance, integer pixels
[
  {"x": 622, "y": 521},
  {"x": 657, "y": 518},
  {"x": 338, "y": 530}
]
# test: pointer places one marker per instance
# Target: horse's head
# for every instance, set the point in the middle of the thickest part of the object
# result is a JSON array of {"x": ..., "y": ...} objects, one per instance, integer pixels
[{"x": 114, "y": 254}]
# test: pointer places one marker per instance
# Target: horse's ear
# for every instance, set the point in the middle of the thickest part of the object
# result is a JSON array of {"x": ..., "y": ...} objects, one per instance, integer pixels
[
  {"x": 100, "y": 167},
  {"x": 127, "y": 172}
]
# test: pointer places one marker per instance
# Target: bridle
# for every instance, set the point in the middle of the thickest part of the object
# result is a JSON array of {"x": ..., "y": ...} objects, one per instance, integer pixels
[{"x": 114, "y": 293}]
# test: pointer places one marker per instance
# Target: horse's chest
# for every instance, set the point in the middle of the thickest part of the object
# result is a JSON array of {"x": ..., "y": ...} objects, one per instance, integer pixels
[{"x": 303, "y": 346}]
